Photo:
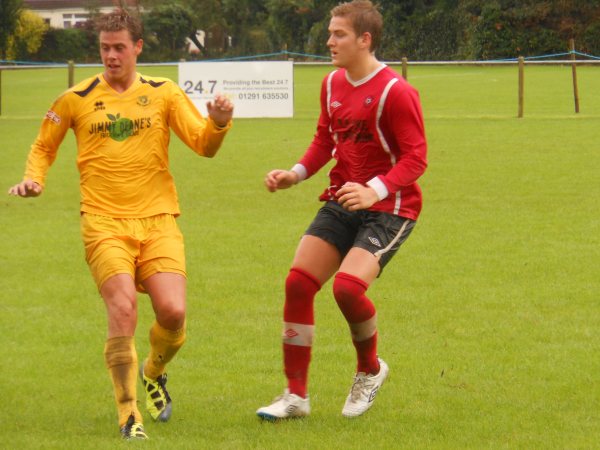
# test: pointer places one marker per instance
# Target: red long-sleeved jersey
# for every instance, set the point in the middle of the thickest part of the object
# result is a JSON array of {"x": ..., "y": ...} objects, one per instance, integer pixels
[{"x": 374, "y": 130}]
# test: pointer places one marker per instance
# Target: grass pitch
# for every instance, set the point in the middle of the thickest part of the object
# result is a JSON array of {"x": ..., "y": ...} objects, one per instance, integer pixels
[{"x": 489, "y": 314}]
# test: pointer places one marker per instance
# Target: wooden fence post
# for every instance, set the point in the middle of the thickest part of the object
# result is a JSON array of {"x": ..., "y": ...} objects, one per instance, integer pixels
[
  {"x": 71, "y": 81},
  {"x": 574, "y": 72},
  {"x": 404, "y": 67},
  {"x": 521, "y": 85}
]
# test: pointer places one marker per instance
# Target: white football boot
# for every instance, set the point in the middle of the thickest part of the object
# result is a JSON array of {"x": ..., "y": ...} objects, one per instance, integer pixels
[
  {"x": 285, "y": 406},
  {"x": 363, "y": 391}
]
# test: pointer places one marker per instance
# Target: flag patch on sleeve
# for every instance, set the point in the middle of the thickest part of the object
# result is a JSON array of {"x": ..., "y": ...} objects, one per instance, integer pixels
[{"x": 51, "y": 115}]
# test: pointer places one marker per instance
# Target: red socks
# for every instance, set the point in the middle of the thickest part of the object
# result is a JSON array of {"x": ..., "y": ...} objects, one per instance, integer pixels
[
  {"x": 359, "y": 311},
  {"x": 298, "y": 318}
]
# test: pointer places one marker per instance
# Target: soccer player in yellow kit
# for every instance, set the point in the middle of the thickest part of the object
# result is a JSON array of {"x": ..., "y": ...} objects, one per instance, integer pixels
[{"x": 122, "y": 123}]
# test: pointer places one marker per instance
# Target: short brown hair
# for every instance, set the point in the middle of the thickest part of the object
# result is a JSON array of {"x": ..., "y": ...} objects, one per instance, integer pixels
[
  {"x": 364, "y": 18},
  {"x": 118, "y": 20}
]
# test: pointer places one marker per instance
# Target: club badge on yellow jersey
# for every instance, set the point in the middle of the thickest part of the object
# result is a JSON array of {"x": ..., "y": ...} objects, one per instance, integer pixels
[{"x": 143, "y": 100}]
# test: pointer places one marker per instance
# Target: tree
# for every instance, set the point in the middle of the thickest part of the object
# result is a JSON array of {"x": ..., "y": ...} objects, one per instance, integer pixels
[
  {"x": 290, "y": 21},
  {"x": 9, "y": 16},
  {"x": 166, "y": 27},
  {"x": 27, "y": 37},
  {"x": 61, "y": 45},
  {"x": 418, "y": 29},
  {"x": 244, "y": 21},
  {"x": 209, "y": 17},
  {"x": 506, "y": 29}
]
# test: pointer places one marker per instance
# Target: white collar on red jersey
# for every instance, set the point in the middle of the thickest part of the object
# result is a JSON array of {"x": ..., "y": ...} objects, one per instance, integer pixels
[{"x": 367, "y": 78}]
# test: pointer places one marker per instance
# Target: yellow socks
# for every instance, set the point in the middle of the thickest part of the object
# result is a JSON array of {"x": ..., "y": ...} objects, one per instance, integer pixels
[
  {"x": 121, "y": 360},
  {"x": 122, "y": 363},
  {"x": 164, "y": 344}
]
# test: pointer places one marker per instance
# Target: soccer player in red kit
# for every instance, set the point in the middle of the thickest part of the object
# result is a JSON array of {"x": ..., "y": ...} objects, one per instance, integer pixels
[{"x": 371, "y": 124}]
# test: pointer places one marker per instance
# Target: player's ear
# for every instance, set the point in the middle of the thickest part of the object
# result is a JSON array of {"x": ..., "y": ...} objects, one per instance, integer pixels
[
  {"x": 138, "y": 46},
  {"x": 365, "y": 39}
]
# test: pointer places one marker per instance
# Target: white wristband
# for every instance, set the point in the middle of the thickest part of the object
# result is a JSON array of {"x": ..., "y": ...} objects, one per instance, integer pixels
[
  {"x": 300, "y": 171},
  {"x": 379, "y": 187}
]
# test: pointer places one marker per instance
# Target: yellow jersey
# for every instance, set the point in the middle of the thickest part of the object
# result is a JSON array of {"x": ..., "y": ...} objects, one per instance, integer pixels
[{"x": 122, "y": 143}]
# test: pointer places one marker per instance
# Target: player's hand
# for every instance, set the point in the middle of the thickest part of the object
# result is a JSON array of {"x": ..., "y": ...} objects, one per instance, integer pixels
[
  {"x": 220, "y": 110},
  {"x": 27, "y": 188},
  {"x": 355, "y": 196},
  {"x": 280, "y": 179}
]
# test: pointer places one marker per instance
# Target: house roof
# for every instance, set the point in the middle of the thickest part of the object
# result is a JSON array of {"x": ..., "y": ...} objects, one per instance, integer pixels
[{"x": 61, "y": 4}]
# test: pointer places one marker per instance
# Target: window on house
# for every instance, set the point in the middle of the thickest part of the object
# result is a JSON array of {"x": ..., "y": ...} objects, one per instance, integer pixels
[{"x": 72, "y": 20}]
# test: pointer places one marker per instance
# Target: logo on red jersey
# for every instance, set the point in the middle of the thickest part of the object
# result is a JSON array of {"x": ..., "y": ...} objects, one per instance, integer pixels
[
  {"x": 355, "y": 130},
  {"x": 335, "y": 104},
  {"x": 368, "y": 101}
]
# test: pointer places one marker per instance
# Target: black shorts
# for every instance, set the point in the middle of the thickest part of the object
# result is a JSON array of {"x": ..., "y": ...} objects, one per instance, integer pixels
[{"x": 380, "y": 233}]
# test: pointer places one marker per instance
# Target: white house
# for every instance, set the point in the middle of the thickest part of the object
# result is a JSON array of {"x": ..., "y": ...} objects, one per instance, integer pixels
[{"x": 68, "y": 13}]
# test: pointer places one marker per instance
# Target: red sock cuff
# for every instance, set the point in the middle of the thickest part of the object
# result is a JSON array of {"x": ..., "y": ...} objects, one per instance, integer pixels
[
  {"x": 300, "y": 290},
  {"x": 304, "y": 273},
  {"x": 353, "y": 279}
]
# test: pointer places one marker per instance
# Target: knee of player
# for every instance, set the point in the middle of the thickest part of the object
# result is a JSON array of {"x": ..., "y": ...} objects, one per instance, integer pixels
[
  {"x": 171, "y": 316},
  {"x": 347, "y": 288},
  {"x": 301, "y": 284},
  {"x": 123, "y": 313}
]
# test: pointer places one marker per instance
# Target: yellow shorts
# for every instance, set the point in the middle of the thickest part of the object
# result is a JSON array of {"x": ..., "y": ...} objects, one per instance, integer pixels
[{"x": 139, "y": 247}]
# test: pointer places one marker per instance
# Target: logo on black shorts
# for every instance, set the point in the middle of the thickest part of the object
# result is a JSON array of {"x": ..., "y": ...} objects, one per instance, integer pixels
[{"x": 375, "y": 241}]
